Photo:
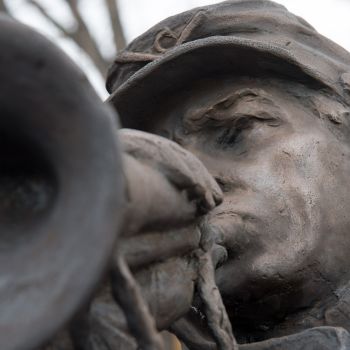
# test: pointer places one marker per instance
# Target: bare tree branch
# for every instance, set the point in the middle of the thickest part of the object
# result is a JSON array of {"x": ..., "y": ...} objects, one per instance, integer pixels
[
  {"x": 118, "y": 33},
  {"x": 80, "y": 35},
  {"x": 43, "y": 11},
  {"x": 84, "y": 39}
]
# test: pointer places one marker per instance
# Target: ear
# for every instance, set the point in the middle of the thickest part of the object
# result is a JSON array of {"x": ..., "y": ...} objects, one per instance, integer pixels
[{"x": 329, "y": 108}]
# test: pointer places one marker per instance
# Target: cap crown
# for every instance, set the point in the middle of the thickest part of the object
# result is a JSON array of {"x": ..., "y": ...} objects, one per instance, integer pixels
[{"x": 260, "y": 20}]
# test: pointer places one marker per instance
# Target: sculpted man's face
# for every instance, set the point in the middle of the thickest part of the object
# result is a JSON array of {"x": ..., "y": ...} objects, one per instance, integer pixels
[{"x": 283, "y": 162}]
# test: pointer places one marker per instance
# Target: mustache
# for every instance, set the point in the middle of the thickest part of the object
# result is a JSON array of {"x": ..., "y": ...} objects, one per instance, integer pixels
[
  {"x": 223, "y": 227},
  {"x": 230, "y": 228}
]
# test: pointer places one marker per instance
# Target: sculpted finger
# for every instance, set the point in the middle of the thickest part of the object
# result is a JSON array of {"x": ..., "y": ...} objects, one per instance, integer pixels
[
  {"x": 179, "y": 166},
  {"x": 160, "y": 153},
  {"x": 168, "y": 288},
  {"x": 152, "y": 149},
  {"x": 194, "y": 178},
  {"x": 219, "y": 255},
  {"x": 152, "y": 201},
  {"x": 159, "y": 246},
  {"x": 208, "y": 202},
  {"x": 216, "y": 191}
]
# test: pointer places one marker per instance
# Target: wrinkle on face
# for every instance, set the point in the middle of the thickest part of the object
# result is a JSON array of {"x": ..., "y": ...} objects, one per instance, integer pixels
[{"x": 246, "y": 102}]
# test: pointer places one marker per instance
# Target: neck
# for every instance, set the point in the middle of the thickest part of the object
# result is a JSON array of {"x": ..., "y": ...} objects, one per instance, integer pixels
[{"x": 333, "y": 311}]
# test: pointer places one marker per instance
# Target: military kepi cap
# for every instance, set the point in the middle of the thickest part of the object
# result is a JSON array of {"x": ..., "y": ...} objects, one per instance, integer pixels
[{"x": 236, "y": 37}]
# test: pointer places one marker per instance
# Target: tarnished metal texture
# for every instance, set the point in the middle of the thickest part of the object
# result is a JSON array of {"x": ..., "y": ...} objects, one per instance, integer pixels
[{"x": 60, "y": 187}]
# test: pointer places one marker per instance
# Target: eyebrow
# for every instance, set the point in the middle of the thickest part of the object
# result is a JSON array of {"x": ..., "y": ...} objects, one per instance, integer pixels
[{"x": 229, "y": 107}]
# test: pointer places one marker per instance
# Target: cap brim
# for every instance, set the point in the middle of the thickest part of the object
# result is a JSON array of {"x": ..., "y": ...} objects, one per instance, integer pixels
[{"x": 212, "y": 57}]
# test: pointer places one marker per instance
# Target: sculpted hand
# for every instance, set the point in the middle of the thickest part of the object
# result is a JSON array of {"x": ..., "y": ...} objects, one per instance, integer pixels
[
  {"x": 168, "y": 188},
  {"x": 167, "y": 185}
]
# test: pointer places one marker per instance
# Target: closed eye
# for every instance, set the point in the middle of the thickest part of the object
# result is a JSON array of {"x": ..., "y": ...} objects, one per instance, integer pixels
[
  {"x": 230, "y": 135},
  {"x": 233, "y": 132}
]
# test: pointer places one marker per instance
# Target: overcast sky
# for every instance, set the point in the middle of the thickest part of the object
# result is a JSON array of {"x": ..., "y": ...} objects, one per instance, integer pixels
[{"x": 329, "y": 17}]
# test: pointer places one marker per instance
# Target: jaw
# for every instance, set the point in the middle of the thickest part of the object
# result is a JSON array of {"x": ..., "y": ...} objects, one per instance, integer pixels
[{"x": 261, "y": 308}]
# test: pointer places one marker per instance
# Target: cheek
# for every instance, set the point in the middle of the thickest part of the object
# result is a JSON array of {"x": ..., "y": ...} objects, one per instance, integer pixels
[
  {"x": 314, "y": 178},
  {"x": 287, "y": 181}
]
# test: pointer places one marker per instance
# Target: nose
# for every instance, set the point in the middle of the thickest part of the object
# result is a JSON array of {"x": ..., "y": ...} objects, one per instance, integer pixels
[
  {"x": 228, "y": 173},
  {"x": 222, "y": 170}
]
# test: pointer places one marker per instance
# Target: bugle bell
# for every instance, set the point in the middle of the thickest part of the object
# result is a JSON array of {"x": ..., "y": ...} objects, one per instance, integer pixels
[{"x": 60, "y": 187}]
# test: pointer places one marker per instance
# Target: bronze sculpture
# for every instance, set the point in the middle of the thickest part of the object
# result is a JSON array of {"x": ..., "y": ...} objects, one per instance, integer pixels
[
  {"x": 262, "y": 100},
  {"x": 252, "y": 96}
]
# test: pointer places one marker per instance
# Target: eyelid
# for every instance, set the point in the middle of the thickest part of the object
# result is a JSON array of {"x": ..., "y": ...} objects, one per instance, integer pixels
[
  {"x": 233, "y": 127},
  {"x": 270, "y": 118},
  {"x": 262, "y": 116},
  {"x": 234, "y": 120},
  {"x": 258, "y": 108}
]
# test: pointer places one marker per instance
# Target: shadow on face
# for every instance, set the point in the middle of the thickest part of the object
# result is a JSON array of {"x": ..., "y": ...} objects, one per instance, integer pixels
[{"x": 281, "y": 154}]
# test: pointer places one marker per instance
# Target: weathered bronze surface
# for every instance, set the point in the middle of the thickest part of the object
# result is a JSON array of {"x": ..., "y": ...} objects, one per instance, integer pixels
[
  {"x": 236, "y": 159},
  {"x": 60, "y": 188},
  {"x": 262, "y": 100}
]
